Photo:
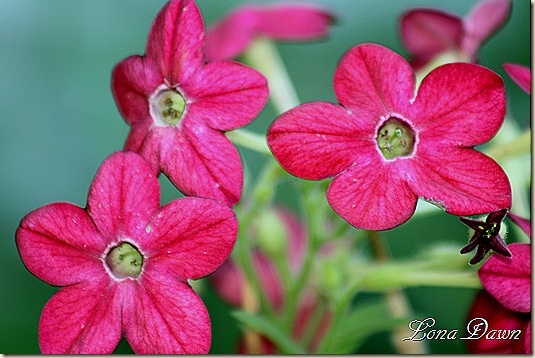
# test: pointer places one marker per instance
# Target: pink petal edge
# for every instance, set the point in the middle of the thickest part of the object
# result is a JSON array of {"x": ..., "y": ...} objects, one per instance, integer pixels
[
  {"x": 123, "y": 196},
  {"x": 82, "y": 319},
  {"x": 509, "y": 279},
  {"x": 520, "y": 74}
]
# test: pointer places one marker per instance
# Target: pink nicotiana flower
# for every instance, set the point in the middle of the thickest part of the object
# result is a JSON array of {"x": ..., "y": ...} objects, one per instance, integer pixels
[
  {"x": 520, "y": 74},
  {"x": 126, "y": 262},
  {"x": 508, "y": 281},
  {"x": 179, "y": 106},
  {"x": 229, "y": 282},
  {"x": 426, "y": 33},
  {"x": 508, "y": 332},
  {"x": 387, "y": 147},
  {"x": 231, "y": 35}
]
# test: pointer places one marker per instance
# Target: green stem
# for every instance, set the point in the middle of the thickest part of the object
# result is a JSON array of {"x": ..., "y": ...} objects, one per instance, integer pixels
[
  {"x": 517, "y": 146},
  {"x": 249, "y": 140},
  {"x": 314, "y": 217},
  {"x": 263, "y": 56}
]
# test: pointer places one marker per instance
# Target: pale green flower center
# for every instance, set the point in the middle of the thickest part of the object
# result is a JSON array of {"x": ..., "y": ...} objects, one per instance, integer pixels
[
  {"x": 395, "y": 139},
  {"x": 125, "y": 261},
  {"x": 167, "y": 107}
]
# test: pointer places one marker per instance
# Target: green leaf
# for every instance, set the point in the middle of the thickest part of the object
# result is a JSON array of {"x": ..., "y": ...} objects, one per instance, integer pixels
[
  {"x": 266, "y": 328},
  {"x": 359, "y": 325}
]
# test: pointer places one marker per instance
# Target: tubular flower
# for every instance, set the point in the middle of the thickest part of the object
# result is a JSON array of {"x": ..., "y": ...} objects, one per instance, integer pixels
[
  {"x": 426, "y": 33},
  {"x": 508, "y": 281},
  {"x": 387, "y": 147},
  {"x": 178, "y": 106},
  {"x": 126, "y": 262},
  {"x": 231, "y": 35}
]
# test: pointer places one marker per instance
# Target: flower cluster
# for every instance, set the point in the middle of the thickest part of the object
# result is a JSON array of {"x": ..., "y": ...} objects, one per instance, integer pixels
[{"x": 125, "y": 260}]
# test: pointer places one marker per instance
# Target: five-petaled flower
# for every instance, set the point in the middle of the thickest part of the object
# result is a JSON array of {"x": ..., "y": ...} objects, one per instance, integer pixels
[
  {"x": 486, "y": 236},
  {"x": 179, "y": 106},
  {"x": 126, "y": 262},
  {"x": 426, "y": 33},
  {"x": 508, "y": 305},
  {"x": 231, "y": 35},
  {"x": 386, "y": 146}
]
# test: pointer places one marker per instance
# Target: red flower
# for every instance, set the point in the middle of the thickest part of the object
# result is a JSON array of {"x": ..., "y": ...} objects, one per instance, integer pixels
[
  {"x": 178, "y": 106},
  {"x": 426, "y": 33},
  {"x": 125, "y": 263},
  {"x": 230, "y": 36},
  {"x": 386, "y": 147},
  {"x": 508, "y": 281},
  {"x": 229, "y": 282},
  {"x": 520, "y": 74},
  {"x": 498, "y": 318}
]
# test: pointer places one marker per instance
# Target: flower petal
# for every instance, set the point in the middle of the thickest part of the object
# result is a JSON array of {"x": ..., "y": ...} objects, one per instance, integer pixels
[
  {"x": 524, "y": 224},
  {"x": 190, "y": 237},
  {"x": 175, "y": 40},
  {"x": 201, "y": 161},
  {"x": 82, "y": 319},
  {"x": 318, "y": 140},
  {"x": 231, "y": 35},
  {"x": 165, "y": 316},
  {"x": 520, "y": 74},
  {"x": 372, "y": 81},
  {"x": 123, "y": 196},
  {"x": 226, "y": 95},
  {"x": 484, "y": 19},
  {"x": 133, "y": 81},
  {"x": 498, "y": 318},
  {"x": 138, "y": 135},
  {"x": 293, "y": 22},
  {"x": 428, "y": 32},
  {"x": 509, "y": 279},
  {"x": 373, "y": 196},
  {"x": 60, "y": 244},
  {"x": 459, "y": 104},
  {"x": 462, "y": 181}
]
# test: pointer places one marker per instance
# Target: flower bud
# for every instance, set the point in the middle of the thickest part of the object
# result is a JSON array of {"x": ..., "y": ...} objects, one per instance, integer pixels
[{"x": 271, "y": 234}]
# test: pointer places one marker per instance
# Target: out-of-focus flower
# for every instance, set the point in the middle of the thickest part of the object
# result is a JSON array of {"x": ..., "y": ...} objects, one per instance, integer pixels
[
  {"x": 386, "y": 148},
  {"x": 126, "y": 262},
  {"x": 510, "y": 323},
  {"x": 426, "y": 33},
  {"x": 486, "y": 236},
  {"x": 231, "y": 35},
  {"x": 230, "y": 283},
  {"x": 178, "y": 106},
  {"x": 520, "y": 74},
  {"x": 508, "y": 281}
]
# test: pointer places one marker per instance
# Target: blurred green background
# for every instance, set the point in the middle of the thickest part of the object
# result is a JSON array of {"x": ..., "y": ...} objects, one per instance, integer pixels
[{"x": 59, "y": 122}]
